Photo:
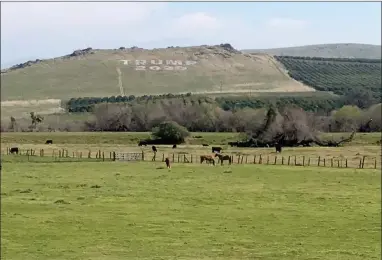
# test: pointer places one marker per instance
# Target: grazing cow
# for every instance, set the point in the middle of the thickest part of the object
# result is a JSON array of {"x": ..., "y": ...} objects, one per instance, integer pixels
[
  {"x": 142, "y": 142},
  {"x": 167, "y": 160},
  {"x": 223, "y": 158},
  {"x": 216, "y": 149},
  {"x": 205, "y": 144},
  {"x": 278, "y": 147},
  {"x": 174, "y": 146},
  {"x": 49, "y": 142},
  {"x": 154, "y": 149},
  {"x": 207, "y": 158},
  {"x": 14, "y": 150}
]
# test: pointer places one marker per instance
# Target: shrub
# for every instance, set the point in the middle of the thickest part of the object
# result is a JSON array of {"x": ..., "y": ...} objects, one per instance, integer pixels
[{"x": 170, "y": 131}]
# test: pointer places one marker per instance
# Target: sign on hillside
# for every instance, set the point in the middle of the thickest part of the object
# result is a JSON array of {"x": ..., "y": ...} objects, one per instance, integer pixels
[{"x": 155, "y": 65}]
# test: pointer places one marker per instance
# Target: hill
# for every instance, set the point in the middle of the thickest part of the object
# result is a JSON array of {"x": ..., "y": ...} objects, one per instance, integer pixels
[
  {"x": 351, "y": 77},
  {"x": 339, "y": 50},
  {"x": 100, "y": 73}
]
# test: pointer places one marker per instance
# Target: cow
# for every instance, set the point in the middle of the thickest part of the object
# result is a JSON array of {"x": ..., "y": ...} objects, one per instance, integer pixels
[
  {"x": 142, "y": 142},
  {"x": 278, "y": 147},
  {"x": 14, "y": 150},
  {"x": 49, "y": 142},
  {"x": 168, "y": 165},
  {"x": 205, "y": 144},
  {"x": 216, "y": 149},
  {"x": 174, "y": 146}
]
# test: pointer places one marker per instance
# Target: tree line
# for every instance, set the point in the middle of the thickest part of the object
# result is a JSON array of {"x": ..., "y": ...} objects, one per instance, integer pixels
[
  {"x": 193, "y": 115},
  {"x": 313, "y": 103}
]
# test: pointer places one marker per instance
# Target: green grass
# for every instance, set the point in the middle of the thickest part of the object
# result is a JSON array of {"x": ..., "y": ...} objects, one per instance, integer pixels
[
  {"x": 132, "y": 138},
  {"x": 140, "y": 211}
]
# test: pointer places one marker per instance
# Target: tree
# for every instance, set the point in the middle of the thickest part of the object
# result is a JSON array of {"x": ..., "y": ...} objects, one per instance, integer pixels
[
  {"x": 36, "y": 119},
  {"x": 170, "y": 131}
]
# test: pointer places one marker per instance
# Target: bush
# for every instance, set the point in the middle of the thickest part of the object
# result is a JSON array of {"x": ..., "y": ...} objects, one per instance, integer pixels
[{"x": 170, "y": 131}]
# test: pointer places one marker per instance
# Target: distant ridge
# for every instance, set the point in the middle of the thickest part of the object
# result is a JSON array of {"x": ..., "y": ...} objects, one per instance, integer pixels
[{"x": 334, "y": 50}]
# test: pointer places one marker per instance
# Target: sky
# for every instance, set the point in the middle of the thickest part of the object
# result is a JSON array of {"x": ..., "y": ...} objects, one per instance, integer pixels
[{"x": 46, "y": 30}]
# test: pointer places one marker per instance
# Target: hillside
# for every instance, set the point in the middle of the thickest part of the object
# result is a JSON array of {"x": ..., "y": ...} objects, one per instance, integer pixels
[
  {"x": 340, "y": 76},
  {"x": 340, "y": 50},
  {"x": 100, "y": 73}
]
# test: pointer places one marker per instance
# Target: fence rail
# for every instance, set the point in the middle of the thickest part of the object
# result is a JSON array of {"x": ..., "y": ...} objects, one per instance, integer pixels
[{"x": 60, "y": 155}]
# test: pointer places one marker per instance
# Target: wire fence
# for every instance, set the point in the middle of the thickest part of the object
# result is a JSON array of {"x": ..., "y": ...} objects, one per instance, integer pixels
[{"x": 64, "y": 155}]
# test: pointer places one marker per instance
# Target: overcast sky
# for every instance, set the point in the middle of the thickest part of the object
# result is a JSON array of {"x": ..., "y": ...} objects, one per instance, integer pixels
[{"x": 46, "y": 30}]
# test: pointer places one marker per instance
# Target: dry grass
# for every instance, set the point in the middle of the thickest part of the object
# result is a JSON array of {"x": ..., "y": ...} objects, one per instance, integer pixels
[{"x": 96, "y": 75}]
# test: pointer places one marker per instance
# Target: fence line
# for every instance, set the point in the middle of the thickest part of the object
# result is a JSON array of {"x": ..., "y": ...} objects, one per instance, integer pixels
[{"x": 361, "y": 162}]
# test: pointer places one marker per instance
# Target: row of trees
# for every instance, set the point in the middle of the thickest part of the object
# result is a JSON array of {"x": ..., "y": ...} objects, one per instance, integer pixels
[
  {"x": 336, "y": 75},
  {"x": 313, "y": 103},
  {"x": 196, "y": 117}
]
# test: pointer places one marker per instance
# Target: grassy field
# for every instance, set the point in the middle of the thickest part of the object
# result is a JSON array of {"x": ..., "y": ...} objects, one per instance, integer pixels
[
  {"x": 102, "y": 74},
  {"x": 142, "y": 211},
  {"x": 362, "y": 145}
]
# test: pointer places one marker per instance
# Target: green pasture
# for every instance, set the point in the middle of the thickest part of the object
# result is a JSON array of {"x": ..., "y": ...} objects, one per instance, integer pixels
[
  {"x": 132, "y": 138},
  {"x": 113, "y": 210}
]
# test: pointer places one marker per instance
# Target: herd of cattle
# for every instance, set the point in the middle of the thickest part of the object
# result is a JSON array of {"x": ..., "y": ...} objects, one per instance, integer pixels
[{"x": 207, "y": 158}]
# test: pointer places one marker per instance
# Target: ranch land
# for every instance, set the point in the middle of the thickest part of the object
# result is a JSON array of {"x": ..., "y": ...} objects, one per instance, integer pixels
[{"x": 95, "y": 209}]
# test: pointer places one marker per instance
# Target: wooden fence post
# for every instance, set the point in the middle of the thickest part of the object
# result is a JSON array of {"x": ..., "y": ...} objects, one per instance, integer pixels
[
  {"x": 173, "y": 157},
  {"x": 324, "y": 162},
  {"x": 103, "y": 156},
  {"x": 360, "y": 163},
  {"x": 295, "y": 160},
  {"x": 303, "y": 160},
  {"x": 331, "y": 162},
  {"x": 242, "y": 158},
  {"x": 346, "y": 162},
  {"x": 319, "y": 159},
  {"x": 375, "y": 163},
  {"x": 246, "y": 159},
  {"x": 363, "y": 161},
  {"x": 338, "y": 163},
  {"x": 238, "y": 159},
  {"x": 308, "y": 161},
  {"x": 261, "y": 159},
  {"x": 288, "y": 159},
  {"x": 282, "y": 160},
  {"x": 254, "y": 159},
  {"x": 275, "y": 160},
  {"x": 267, "y": 159}
]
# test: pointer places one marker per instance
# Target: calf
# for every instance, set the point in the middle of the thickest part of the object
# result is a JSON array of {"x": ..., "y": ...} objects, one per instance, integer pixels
[
  {"x": 205, "y": 144},
  {"x": 154, "y": 149},
  {"x": 174, "y": 146},
  {"x": 168, "y": 163},
  {"x": 49, "y": 142},
  {"x": 14, "y": 150},
  {"x": 216, "y": 149}
]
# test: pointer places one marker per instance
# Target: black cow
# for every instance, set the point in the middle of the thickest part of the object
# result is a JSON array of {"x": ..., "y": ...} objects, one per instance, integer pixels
[
  {"x": 49, "y": 142},
  {"x": 278, "y": 148},
  {"x": 154, "y": 149},
  {"x": 142, "y": 142},
  {"x": 216, "y": 149},
  {"x": 14, "y": 150},
  {"x": 205, "y": 144},
  {"x": 174, "y": 146}
]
